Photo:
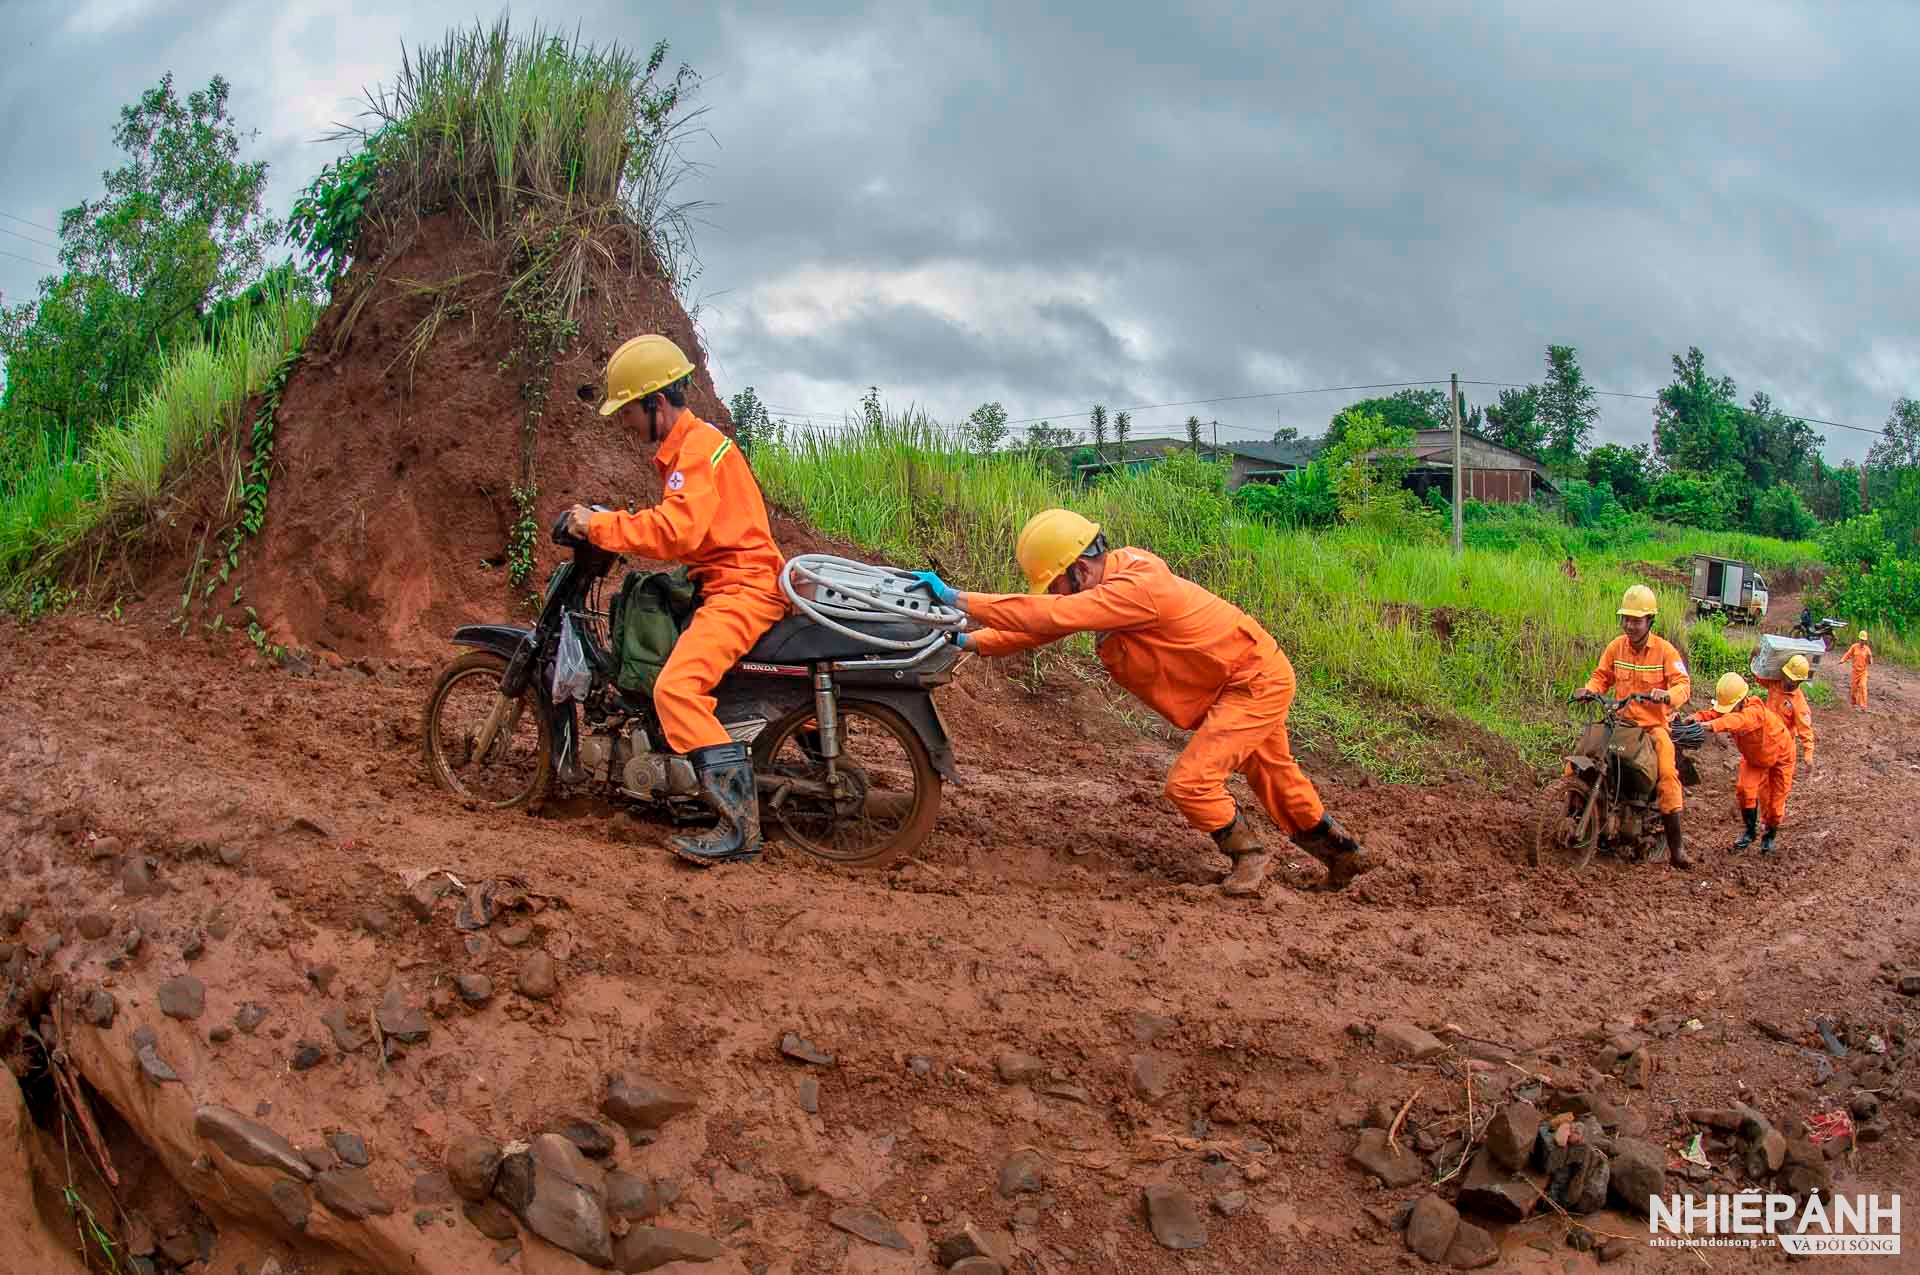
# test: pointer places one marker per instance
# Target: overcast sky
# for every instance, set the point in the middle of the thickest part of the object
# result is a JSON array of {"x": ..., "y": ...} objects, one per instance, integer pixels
[{"x": 1054, "y": 205}]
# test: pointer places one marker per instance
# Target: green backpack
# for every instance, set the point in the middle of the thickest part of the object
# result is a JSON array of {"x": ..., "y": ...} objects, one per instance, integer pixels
[{"x": 648, "y": 615}]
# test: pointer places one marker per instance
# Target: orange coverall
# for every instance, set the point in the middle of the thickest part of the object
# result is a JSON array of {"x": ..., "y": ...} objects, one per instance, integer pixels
[
  {"x": 1626, "y": 670},
  {"x": 1197, "y": 660},
  {"x": 1790, "y": 706},
  {"x": 1860, "y": 655},
  {"x": 712, "y": 518},
  {"x": 1766, "y": 756}
]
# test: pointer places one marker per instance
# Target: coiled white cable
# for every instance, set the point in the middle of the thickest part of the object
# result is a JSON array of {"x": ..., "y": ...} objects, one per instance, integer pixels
[{"x": 843, "y": 589}]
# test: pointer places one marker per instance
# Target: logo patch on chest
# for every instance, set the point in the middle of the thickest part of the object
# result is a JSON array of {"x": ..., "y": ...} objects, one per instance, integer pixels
[{"x": 676, "y": 480}]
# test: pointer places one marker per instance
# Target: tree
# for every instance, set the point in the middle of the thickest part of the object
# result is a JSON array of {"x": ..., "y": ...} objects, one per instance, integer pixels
[
  {"x": 1566, "y": 407},
  {"x": 179, "y": 227},
  {"x": 1515, "y": 422},
  {"x": 1693, "y": 500},
  {"x": 1623, "y": 470},
  {"x": 1775, "y": 448},
  {"x": 1779, "y": 511},
  {"x": 1122, "y": 426},
  {"x": 986, "y": 427},
  {"x": 751, "y": 425},
  {"x": 1405, "y": 409},
  {"x": 1286, "y": 434},
  {"x": 1368, "y": 465},
  {"x": 1899, "y": 445},
  {"x": 1696, "y": 419},
  {"x": 1046, "y": 436},
  {"x": 1193, "y": 432},
  {"x": 1097, "y": 419}
]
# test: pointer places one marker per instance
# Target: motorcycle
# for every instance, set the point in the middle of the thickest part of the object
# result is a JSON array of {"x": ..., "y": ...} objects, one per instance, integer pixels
[
  {"x": 1604, "y": 800},
  {"x": 1821, "y": 631},
  {"x": 849, "y": 750}
]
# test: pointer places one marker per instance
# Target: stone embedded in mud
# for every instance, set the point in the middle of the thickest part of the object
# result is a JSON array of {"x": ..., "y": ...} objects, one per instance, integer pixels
[
  {"x": 1490, "y": 1189},
  {"x": 592, "y": 1138},
  {"x": 1472, "y": 1248},
  {"x": 976, "y": 1266},
  {"x": 1587, "y": 1179},
  {"x": 249, "y": 1016},
  {"x": 231, "y": 856},
  {"x": 560, "y": 1196},
  {"x": 1230, "y": 1203},
  {"x": 1396, "y": 1168},
  {"x": 248, "y": 1142},
  {"x": 433, "y": 1189},
  {"x": 350, "y": 1149},
  {"x": 100, "y": 1008},
  {"x": 809, "y": 1095},
  {"x": 474, "y": 989},
  {"x": 183, "y": 997},
  {"x": 1015, "y": 1068},
  {"x": 1176, "y": 1223},
  {"x": 647, "y": 1248},
  {"x": 322, "y": 976},
  {"x": 146, "y": 1052},
  {"x": 1148, "y": 1027},
  {"x": 515, "y": 936},
  {"x": 348, "y": 1035},
  {"x": 289, "y": 1200},
  {"x": 1430, "y": 1227},
  {"x": 307, "y": 1055},
  {"x": 472, "y": 1164},
  {"x": 869, "y": 1225},
  {"x": 95, "y": 925},
  {"x": 192, "y": 949},
  {"x": 1151, "y": 1076},
  {"x": 137, "y": 877},
  {"x": 219, "y": 923},
  {"x": 375, "y": 921},
  {"x": 1637, "y": 1173},
  {"x": 638, "y": 1102},
  {"x": 962, "y": 1244},
  {"x": 399, "y": 1020},
  {"x": 491, "y": 1219},
  {"x": 350, "y": 1194},
  {"x": 1511, "y": 1132},
  {"x": 1069, "y": 1093},
  {"x": 1404, "y": 1040},
  {"x": 12, "y": 919},
  {"x": 1908, "y": 984},
  {"x": 1024, "y": 1172},
  {"x": 630, "y": 1197},
  {"x": 420, "y": 900},
  {"x": 800, "y": 1049},
  {"x": 538, "y": 979}
]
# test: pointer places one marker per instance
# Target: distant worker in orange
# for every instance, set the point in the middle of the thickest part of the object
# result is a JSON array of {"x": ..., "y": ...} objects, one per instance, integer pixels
[
  {"x": 1194, "y": 658},
  {"x": 1766, "y": 756},
  {"x": 1569, "y": 570},
  {"x": 1789, "y": 703},
  {"x": 1860, "y": 655},
  {"x": 712, "y": 518},
  {"x": 1641, "y": 662}
]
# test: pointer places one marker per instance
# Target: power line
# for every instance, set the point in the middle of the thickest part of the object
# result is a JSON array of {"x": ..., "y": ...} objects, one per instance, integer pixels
[
  {"x": 1232, "y": 398},
  {"x": 29, "y": 238},
  {"x": 23, "y": 221},
  {"x": 29, "y": 260},
  {"x": 1655, "y": 398}
]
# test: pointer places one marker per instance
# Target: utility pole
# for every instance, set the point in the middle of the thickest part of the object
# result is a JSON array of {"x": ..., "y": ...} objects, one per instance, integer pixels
[
  {"x": 1863, "y": 487},
  {"x": 1453, "y": 407}
]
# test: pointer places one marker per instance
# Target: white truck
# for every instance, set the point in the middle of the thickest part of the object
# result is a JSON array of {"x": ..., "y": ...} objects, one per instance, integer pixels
[{"x": 1722, "y": 586}]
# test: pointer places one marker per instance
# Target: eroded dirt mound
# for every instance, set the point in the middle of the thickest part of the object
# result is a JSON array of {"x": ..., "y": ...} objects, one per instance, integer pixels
[{"x": 392, "y": 506}]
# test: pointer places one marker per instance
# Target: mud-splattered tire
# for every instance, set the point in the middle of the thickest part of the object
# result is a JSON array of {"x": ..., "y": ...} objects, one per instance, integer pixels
[
  {"x": 880, "y": 835},
  {"x": 1549, "y": 847},
  {"x": 521, "y": 776}
]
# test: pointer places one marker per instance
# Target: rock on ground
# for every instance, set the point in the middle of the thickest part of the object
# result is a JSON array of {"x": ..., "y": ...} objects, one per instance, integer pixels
[
  {"x": 873, "y": 1227},
  {"x": 1430, "y": 1227},
  {"x": 1637, "y": 1173},
  {"x": 560, "y": 1196},
  {"x": 472, "y": 1163},
  {"x": 248, "y": 1142},
  {"x": 1511, "y": 1132},
  {"x": 1472, "y": 1248},
  {"x": 1404, "y": 1040},
  {"x": 639, "y": 1102},
  {"x": 1396, "y": 1168},
  {"x": 647, "y": 1248},
  {"x": 1176, "y": 1223}
]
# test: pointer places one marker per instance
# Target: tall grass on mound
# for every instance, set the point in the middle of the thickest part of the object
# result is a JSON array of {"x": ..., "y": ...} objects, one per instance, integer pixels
[
  {"x": 1384, "y": 631},
  {"x": 63, "y": 495}
]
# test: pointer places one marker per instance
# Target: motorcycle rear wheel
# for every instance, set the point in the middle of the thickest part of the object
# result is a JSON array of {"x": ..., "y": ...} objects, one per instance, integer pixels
[
  {"x": 892, "y": 792},
  {"x": 519, "y": 766},
  {"x": 1554, "y": 843}
]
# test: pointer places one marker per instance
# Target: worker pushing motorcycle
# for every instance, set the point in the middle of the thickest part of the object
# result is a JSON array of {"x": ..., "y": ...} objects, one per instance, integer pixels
[
  {"x": 1766, "y": 757},
  {"x": 1193, "y": 657}
]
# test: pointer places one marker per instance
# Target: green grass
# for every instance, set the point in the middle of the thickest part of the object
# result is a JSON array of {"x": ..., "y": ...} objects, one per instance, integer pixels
[
  {"x": 1384, "y": 633},
  {"x": 63, "y": 494}
]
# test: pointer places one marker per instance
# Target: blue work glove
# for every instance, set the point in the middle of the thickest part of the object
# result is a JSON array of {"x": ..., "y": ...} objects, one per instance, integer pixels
[
  {"x": 942, "y": 593},
  {"x": 959, "y": 638}
]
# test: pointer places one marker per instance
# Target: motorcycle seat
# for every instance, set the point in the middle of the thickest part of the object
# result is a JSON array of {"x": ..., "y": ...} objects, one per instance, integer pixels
[{"x": 798, "y": 640}]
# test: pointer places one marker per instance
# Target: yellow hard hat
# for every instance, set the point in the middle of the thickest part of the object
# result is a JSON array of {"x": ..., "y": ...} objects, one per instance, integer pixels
[
  {"x": 1728, "y": 692},
  {"x": 641, "y": 366},
  {"x": 1050, "y": 542},
  {"x": 1862, "y": 636},
  {"x": 1796, "y": 668},
  {"x": 1639, "y": 600}
]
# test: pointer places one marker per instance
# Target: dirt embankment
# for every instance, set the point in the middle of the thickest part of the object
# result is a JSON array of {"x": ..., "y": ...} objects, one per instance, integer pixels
[{"x": 250, "y": 865}]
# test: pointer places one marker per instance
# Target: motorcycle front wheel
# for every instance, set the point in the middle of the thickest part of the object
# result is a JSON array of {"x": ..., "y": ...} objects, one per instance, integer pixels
[
  {"x": 885, "y": 793},
  {"x": 1560, "y": 837},
  {"x": 518, "y": 766}
]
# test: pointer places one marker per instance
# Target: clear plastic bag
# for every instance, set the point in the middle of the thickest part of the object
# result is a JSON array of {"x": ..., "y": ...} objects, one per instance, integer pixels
[{"x": 572, "y": 675}]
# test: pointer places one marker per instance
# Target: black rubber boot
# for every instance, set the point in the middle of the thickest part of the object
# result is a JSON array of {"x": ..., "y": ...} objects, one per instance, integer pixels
[
  {"x": 1250, "y": 859},
  {"x": 1676, "y": 844},
  {"x": 1766, "y": 842},
  {"x": 1328, "y": 842},
  {"x": 725, "y": 772},
  {"x": 1745, "y": 839}
]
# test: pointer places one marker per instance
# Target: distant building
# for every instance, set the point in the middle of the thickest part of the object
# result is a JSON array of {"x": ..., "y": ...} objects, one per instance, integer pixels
[{"x": 1250, "y": 462}]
